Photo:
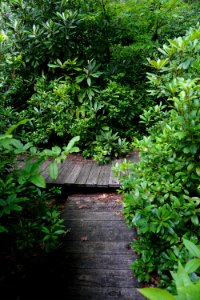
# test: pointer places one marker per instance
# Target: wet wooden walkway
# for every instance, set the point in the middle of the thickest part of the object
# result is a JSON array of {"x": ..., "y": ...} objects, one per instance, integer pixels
[
  {"x": 86, "y": 173},
  {"x": 97, "y": 252},
  {"x": 94, "y": 261}
]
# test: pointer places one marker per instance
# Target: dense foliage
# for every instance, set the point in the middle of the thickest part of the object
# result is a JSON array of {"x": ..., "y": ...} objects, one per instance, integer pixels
[
  {"x": 185, "y": 287},
  {"x": 30, "y": 219},
  {"x": 162, "y": 192},
  {"x": 77, "y": 68}
]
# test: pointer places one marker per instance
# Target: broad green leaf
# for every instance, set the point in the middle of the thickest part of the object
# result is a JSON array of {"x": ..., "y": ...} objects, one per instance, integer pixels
[
  {"x": 192, "y": 248},
  {"x": 198, "y": 171},
  {"x": 45, "y": 230},
  {"x": 38, "y": 180},
  {"x": 59, "y": 232},
  {"x": 16, "y": 207},
  {"x": 71, "y": 143},
  {"x": 17, "y": 144},
  {"x": 181, "y": 277},
  {"x": 74, "y": 149},
  {"x": 156, "y": 293},
  {"x": 53, "y": 170},
  {"x": 27, "y": 146},
  {"x": 3, "y": 229},
  {"x": 13, "y": 127},
  {"x": 192, "y": 265},
  {"x": 47, "y": 152},
  {"x": 191, "y": 291},
  {"x": 79, "y": 78},
  {"x": 193, "y": 149},
  {"x": 53, "y": 66},
  {"x": 190, "y": 166},
  {"x": 195, "y": 219},
  {"x": 55, "y": 214},
  {"x": 47, "y": 237},
  {"x": 2, "y": 202},
  {"x": 56, "y": 150},
  {"x": 89, "y": 81}
]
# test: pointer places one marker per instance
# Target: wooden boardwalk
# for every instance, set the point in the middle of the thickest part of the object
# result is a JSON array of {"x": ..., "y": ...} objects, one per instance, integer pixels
[
  {"x": 94, "y": 261},
  {"x": 86, "y": 173},
  {"x": 97, "y": 253}
]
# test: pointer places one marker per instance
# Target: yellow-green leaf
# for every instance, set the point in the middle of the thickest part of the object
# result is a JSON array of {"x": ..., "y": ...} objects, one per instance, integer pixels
[
  {"x": 198, "y": 171},
  {"x": 38, "y": 180},
  {"x": 155, "y": 294},
  {"x": 53, "y": 170}
]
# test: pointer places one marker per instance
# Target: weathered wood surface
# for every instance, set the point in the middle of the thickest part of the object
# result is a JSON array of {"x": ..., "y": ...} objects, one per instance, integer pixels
[
  {"x": 84, "y": 172},
  {"x": 99, "y": 293},
  {"x": 87, "y": 173},
  {"x": 96, "y": 253}
]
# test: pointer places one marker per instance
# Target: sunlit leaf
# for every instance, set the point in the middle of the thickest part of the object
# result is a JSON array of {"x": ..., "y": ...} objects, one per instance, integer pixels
[
  {"x": 38, "y": 180},
  {"x": 156, "y": 293}
]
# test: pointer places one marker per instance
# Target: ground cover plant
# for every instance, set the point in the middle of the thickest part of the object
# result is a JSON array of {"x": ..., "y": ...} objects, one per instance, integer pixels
[{"x": 162, "y": 192}]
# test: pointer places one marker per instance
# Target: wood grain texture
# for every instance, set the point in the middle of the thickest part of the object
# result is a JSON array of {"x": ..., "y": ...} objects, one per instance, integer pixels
[
  {"x": 84, "y": 173},
  {"x": 93, "y": 231},
  {"x": 94, "y": 261},
  {"x": 96, "y": 253},
  {"x": 103, "y": 293},
  {"x": 72, "y": 173},
  {"x": 104, "y": 175},
  {"x": 93, "y": 176},
  {"x": 95, "y": 216}
]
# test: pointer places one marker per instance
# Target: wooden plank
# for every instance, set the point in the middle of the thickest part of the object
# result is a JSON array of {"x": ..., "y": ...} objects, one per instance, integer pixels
[
  {"x": 45, "y": 169},
  {"x": 113, "y": 181},
  {"x": 97, "y": 247},
  {"x": 104, "y": 176},
  {"x": 101, "y": 293},
  {"x": 84, "y": 173},
  {"x": 72, "y": 173},
  {"x": 49, "y": 179},
  {"x": 96, "y": 216},
  {"x": 93, "y": 176},
  {"x": 111, "y": 231},
  {"x": 63, "y": 170},
  {"x": 101, "y": 278},
  {"x": 93, "y": 261},
  {"x": 96, "y": 253},
  {"x": 86, "y": 204}
]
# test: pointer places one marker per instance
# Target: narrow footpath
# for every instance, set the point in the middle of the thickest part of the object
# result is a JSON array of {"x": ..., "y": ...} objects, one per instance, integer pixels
[
  {"x": 97, "y": 252},
  {"x": 94, "y": 260}
]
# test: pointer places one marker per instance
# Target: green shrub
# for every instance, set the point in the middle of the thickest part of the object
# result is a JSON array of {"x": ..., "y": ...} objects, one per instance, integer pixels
[
  {"x": 30, "y": 219},
  {"x": 161, "y": 193},
  {"x": 77, "y": 67},
  {"x": 50, "y": 111},
  {"x": 186, "y": 279}
]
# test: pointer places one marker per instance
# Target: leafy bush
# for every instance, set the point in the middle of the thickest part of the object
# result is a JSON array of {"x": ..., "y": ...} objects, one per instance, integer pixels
[
  {"x": 29, "y": 216},
  {"x": 185, "y": 278},
  {"x": 161, "y": 193},
  {"x": 69, "y": 67},
  {"x": 50, "y": 111}
]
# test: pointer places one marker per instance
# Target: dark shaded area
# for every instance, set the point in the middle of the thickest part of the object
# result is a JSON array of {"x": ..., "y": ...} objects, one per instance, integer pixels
[
  {"x": 93, "y": 261},
  {"x": 35, "y": 278}
]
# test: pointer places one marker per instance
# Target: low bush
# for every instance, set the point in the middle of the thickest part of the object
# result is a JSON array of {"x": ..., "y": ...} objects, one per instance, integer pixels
[
  {"x": 186, "y": 279},
  {"x": 30, "y": 218},
  {"x": 162, "y": 191}
]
